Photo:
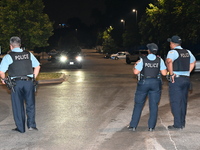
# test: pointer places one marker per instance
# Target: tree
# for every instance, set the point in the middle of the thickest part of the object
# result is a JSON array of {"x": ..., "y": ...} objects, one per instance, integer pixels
[
  {"x": 109, "y": 45},
  {"x": 169, "y": 17},
  {"x": 128, "y": 39},
  {"x": 24, "y": 18}
]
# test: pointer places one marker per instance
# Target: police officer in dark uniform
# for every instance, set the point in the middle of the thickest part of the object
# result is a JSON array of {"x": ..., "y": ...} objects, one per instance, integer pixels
[
  {"x": 23, "y": 68},
  {"x": 148, "y": 68},
  {"x": 180, "y": 62}
]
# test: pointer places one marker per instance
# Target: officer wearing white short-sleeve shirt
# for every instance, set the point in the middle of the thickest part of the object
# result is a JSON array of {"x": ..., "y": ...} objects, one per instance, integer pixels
[
  {"x": 22, "y": 67},
  {"x": 180, "y": 62},
  {"x": 149, "y": 69}
]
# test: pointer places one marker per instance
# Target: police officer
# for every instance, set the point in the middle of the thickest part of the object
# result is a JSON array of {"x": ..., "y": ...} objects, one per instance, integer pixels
[
  {"x": 22, "y": 67},
  {"x": 149, "y": 69},
  {"x": 180, "y": 62}
]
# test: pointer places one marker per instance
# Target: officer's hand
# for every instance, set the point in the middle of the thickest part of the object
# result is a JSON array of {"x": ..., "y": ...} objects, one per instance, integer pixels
[
  {"x": 172, "y": 78},
  {"x": 2, "y": 81}
]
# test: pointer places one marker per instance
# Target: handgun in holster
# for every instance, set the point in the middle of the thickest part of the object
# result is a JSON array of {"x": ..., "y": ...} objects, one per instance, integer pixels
[
  {"x": 9, "y": 83},
  {"x": 169, "y": 77},
  {"x": 35, "y": 82}
]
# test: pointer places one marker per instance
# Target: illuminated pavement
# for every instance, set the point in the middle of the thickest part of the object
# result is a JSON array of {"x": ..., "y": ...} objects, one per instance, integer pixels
[{"x": 90, "y": 111}]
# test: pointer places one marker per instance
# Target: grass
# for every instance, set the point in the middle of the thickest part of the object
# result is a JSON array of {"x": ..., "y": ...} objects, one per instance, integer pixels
[{"x": 48, "y": 75}]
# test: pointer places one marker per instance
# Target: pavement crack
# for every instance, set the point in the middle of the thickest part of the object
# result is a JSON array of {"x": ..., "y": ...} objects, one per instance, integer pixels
[{"x": 170, "y": 136}]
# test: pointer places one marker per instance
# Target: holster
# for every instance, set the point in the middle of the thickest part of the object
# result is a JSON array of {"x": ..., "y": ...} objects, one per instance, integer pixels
[
  {"x": 169, "y": 77},
  {"x": 9, "y": 83}
]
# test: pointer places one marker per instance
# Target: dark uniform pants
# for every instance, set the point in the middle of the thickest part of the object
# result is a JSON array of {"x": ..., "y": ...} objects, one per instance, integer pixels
[
  {"x": 152, "y": 89},
  {"x": 178, "y": 92},
  {"x": 24, "y": 95}
]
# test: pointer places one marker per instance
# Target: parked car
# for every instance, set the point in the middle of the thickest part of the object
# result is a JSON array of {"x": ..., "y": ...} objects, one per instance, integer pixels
[
  {"x": 52, "y": 52},
  {"x": 197, "y": 67},
  {"x": 67, "y": 59},
  {"x": 53, "y": 58},
  {"x": 52, "y": 55},
  {"x": 119, "y": 55}
]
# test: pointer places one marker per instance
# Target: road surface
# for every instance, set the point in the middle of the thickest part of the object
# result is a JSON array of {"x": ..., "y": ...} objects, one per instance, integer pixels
[{"x": 91, "y": 109}]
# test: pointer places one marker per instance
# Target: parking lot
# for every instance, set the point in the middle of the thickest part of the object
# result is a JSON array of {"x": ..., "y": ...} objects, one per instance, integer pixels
[{"x": 91, "y": 109}]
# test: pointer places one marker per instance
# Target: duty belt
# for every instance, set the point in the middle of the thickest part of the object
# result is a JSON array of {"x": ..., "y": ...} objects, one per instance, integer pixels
[
  {"x": 177, "y": 76},
  {"x": 22, "y": 78},
  {"x": 148, "y": 77}
]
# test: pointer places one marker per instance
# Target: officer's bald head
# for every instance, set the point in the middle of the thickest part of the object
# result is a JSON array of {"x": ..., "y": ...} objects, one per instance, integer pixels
[{"x": 15, "y": 41}]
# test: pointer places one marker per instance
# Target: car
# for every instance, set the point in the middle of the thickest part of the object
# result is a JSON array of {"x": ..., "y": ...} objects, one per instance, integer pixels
[
  {"x": 53, "y": 58},
  {"x": 119, "y": 55},
  {"x": 52, "y": 52},
  {"x": 68, "y": 59},
  {"x": 52, "y": 55},
  {"x": 197, "y": 66}
]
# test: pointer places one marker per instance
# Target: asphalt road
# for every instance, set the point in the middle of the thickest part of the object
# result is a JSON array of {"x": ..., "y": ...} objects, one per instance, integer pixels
[{"x": 91, "y": 109}]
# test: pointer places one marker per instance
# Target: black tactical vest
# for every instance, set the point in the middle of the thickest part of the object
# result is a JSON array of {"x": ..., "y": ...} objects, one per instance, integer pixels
[
  {"x": 151, "y": 68},
  {"x": 182, "y": 63},
  {"x": 22, "y": 65}
]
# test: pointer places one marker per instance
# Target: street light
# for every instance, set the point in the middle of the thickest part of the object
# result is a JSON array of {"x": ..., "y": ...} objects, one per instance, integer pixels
[
  {"x": 123, "y": 21},
  {"x": 135, "y": 11}
]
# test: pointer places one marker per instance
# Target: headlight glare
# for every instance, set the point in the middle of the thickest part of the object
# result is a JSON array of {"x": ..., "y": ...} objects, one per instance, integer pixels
[
  {"x": 79, "y": 58},
  {"x": 63, "y": 58}
]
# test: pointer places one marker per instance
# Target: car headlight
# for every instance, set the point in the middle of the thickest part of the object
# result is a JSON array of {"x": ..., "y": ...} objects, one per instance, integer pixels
[
  {"x": 79, "y": 58},
  {"x": 63, "y": 58}
]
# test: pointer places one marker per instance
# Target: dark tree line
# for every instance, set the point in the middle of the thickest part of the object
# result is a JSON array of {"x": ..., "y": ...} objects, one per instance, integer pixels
[
  {"x": 157, "y": 21},
  {"x": 26, "y": 20}
]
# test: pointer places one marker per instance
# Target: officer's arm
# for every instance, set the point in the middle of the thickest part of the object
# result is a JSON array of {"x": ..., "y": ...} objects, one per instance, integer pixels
[
  {"x": 192, "y": 65},
  {"x": 163, "y": 69},
  {"x": 136, "y": 71},
  {"x": 169, "y": 64},
  {"x": 36, "y": 71},
  {"x": 164, "y": 72},
  {"x": 2, "y": 75}
]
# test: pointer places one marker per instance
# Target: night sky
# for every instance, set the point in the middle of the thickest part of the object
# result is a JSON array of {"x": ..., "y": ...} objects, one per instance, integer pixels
[{"x": 61, "y": 10}]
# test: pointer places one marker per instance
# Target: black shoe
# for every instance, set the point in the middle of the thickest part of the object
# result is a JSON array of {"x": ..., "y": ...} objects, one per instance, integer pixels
[
  {"x": 151, "y": 129},
  {"x": 131, "y": 128},
  {"x": 173, "y": 128},
  {"x": 17, "y": 130},
  {"x": 32, "y": 129}
]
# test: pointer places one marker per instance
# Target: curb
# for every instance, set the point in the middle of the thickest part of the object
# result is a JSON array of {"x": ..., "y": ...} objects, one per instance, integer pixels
[{"x": 53, "y": 81}]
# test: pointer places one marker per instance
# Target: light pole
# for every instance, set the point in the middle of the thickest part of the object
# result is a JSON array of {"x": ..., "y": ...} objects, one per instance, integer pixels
[
  {"x": 123, "y": 21},
  {"x": 135, "y": 11}
]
